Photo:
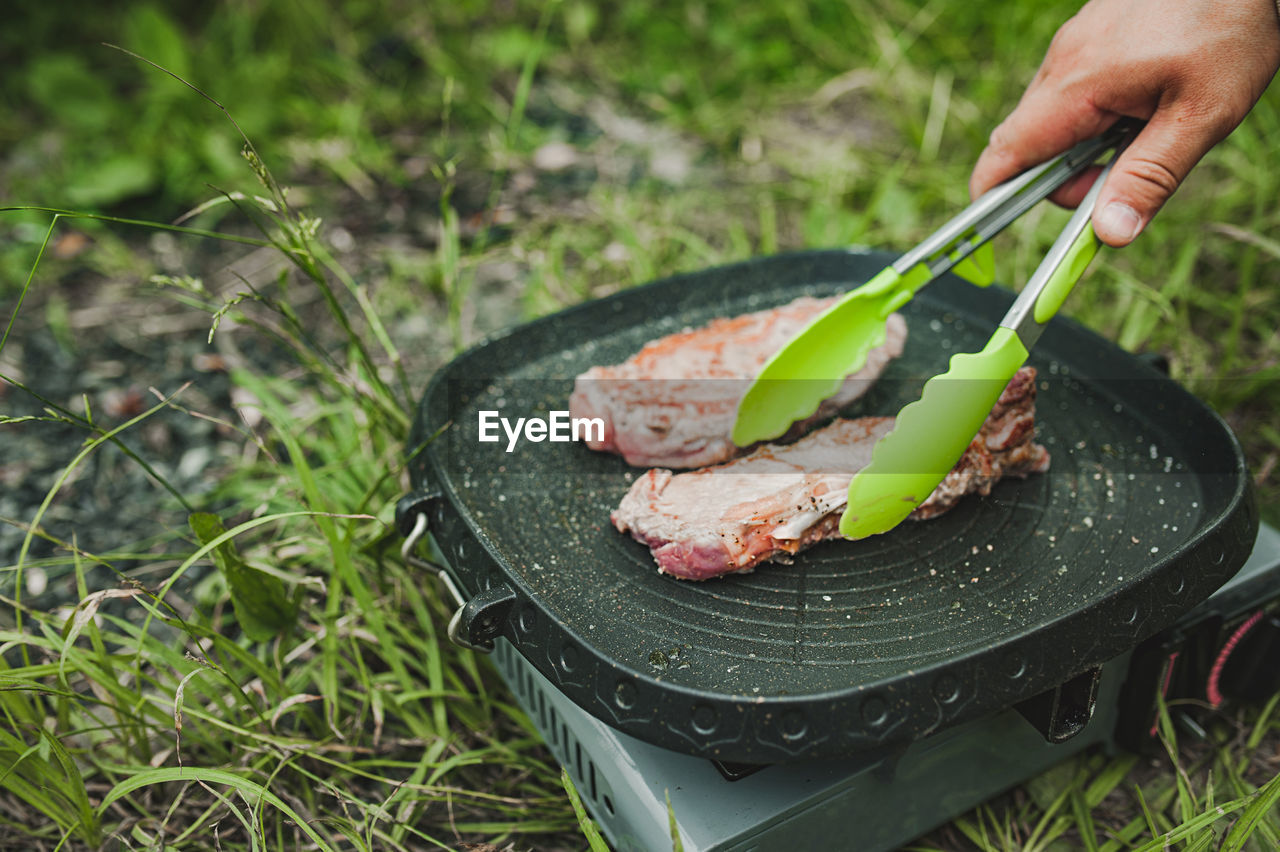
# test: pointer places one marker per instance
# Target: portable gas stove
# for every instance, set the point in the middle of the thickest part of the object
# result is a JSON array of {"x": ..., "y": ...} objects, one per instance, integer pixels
[
  {"x": 1226, "y": 648},
  {"x": 889, "y": 676}
]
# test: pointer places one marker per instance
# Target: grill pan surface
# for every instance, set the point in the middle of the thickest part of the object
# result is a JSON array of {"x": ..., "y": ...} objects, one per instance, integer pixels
[{"x": 1146, "y": 509}]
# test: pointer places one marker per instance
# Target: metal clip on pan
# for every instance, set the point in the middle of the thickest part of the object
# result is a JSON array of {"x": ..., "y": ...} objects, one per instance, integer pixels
[{"x": 456, "y": 634}]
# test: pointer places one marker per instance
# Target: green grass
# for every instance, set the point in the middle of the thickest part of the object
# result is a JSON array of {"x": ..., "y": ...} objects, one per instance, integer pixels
[{"x": 703, "y": 133}]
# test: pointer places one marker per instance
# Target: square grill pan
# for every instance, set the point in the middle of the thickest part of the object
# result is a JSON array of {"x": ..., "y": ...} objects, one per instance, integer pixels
[{"x": 855, "y": 646}]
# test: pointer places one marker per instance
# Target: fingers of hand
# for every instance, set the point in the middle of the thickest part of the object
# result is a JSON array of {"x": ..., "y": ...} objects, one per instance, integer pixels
[
  {"x": 1041, "y": 127},
  {"x": 1050, "y": 117},
  {"x": 1073, "y": 191},
  {"x": 1149, "y": 171}
]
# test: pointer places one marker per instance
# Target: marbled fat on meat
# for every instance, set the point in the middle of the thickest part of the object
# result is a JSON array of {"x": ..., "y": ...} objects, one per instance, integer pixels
[
  {"x": 781, "y": 499},
  {"x": 673, "y": 403}
]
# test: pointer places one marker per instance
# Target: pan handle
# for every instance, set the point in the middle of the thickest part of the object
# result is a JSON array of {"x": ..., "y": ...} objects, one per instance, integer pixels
[{"x": 466, "y": 614}]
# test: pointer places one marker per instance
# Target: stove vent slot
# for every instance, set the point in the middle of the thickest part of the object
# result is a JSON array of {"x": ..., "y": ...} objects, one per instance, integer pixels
[{"x": 538, "y": 700}]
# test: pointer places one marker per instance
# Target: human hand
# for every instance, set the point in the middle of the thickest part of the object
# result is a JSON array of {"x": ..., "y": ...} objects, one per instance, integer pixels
[{"x": 1191, "y": 68}]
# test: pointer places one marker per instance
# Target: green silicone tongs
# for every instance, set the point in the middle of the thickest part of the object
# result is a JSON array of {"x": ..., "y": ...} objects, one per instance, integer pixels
[
  {"x": 931, "y": 434},
  {"x": 813, "y": 365}
]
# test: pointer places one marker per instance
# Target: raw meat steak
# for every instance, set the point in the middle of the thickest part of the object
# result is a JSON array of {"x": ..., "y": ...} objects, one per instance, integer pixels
[
  {"x": 674, "y": 402},
  {"x": 781, "y": 499}
]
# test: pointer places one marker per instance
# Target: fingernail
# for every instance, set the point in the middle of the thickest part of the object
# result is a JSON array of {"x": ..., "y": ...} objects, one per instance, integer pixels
[{"x": 1119, "y": 221}]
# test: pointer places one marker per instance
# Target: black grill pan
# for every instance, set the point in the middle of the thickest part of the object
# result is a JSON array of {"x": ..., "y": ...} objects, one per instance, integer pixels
[{"x": 1146, "y": 509}]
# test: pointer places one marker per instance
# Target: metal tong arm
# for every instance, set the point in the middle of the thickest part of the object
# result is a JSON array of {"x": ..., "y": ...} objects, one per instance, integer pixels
[
  {"x": 1062, "y": 265},
  {"x": 999, "y": 206}
]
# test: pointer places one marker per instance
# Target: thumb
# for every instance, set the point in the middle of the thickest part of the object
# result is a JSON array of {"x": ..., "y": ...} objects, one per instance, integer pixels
[{"x": 1149, "y": 171}]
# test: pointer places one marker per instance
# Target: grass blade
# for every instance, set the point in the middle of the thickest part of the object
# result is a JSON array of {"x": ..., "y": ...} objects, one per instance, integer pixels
[
  {"x": 245, "y": 786},
  {"x": 595, "y": 841},
  {"x": 1262, "y": 803}
]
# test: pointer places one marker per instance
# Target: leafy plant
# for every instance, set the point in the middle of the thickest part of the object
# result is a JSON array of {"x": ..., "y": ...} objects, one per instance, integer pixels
[{"x": 261, "y": 605}]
